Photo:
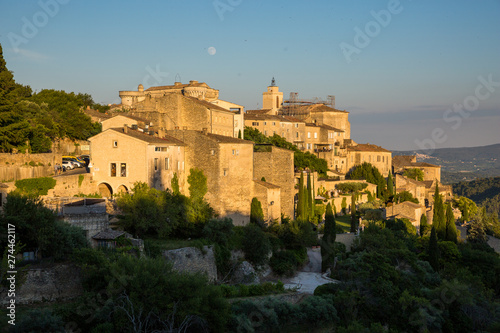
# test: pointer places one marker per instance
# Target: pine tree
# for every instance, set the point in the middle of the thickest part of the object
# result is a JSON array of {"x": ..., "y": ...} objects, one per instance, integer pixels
[
  {"x": 433, "y": 250},
  {"x": 424, "y": 226},
  {"x": 390, "y": 185},
  {"x": 328, "y": 240},
  {"x": 353, "y": 212},
  {"x": 451, "y": 228}
]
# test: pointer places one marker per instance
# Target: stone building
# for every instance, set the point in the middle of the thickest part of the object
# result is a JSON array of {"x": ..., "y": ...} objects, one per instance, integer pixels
[
  {"x": 415, "y": 187},
  {"x": 122, "y": 156},
  {"x": 379, "y": 157},
  {"x": 228, "y": 165},
  {"x": 192, "y": 106},
  {"x": 276, "y": 166},
  {"x": 408, "y": 210},
  {"x": 402, "y": 163}
]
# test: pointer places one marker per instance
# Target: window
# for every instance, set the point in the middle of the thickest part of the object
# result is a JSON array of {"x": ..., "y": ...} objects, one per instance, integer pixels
[
  {"x": 315, "y": 135},
  {"x": 282, "y": 124},
  {"x": 161, "y": 148},
  {"x": 296, "y": 134},
  {"x": 308, "y": 146},
  {"x": 378, "y": 158},
  {"x": 113, "y": 169},
  {"x": 123, "y": 169},
  {"x": 182, "y": 166},
  {"x": 255, "y": 123},
  {"x": 167, "y": 163},
  {"x": 265, "y": 132},
  {"x": 212, "y": 151},
  {"x": 115, "y": 144},
  {"x": 236, "y": 152},
  {"x": 178, "y": 165},
  {"x": 274, "y": 123},
  {"x": 156, "y": 164},
  {"x": 296, "y": 125},
  {"x": 308, "y": 135},
  {"x": 226, "y": 172},
  {"x": 265, "y": 123}
]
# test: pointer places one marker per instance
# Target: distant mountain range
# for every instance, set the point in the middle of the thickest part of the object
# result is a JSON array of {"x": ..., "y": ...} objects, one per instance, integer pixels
[{"x": 462, "y": 164}]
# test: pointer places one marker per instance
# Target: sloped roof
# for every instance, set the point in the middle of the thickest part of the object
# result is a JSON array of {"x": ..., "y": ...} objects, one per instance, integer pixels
[
  {"x": 149, "y": 138},
  {"x": 318, "y": 107},
  {"x": 208, "y": 105},
  {"x": 108, "y": 234},
  {"x": 96, "y": 114},
  {"x": 227, "y": 139},
  {"x": 179, "y": 86},
  {"x": 257, "y": 112},
  {"x": 368, "y": 147},
  {"x": 130, "y": 117}
]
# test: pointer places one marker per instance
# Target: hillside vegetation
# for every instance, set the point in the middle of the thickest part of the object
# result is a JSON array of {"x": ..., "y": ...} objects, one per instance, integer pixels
[
  {"x": 462, "y": 164},
  {"x": 29, "y": 122},
  {"x": 485, "y": 192}
]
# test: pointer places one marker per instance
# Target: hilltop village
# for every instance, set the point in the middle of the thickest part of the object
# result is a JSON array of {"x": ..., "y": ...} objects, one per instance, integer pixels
[{"x": 160, "y": 132}]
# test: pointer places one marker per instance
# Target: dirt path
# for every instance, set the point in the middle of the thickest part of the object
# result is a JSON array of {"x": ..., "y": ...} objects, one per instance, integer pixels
[{"x": 310, "y": 277}]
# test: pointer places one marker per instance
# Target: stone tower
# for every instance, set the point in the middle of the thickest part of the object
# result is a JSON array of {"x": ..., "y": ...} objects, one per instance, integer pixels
[{"x": 272, "y": 98}]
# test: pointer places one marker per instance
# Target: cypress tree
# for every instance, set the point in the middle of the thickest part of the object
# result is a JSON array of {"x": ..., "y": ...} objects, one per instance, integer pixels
[
  {"x": 344, "y": 205},
  {"x": 328, "y": 240},
  {"x": 424, "y": 226},
  {"x": 433, "y": 250},
  {"x": 353, "y": 212},
  {"x": 256, "y": 213},
  {"x": 390, "y": 185},
  {"x": 438, "y": 219},
  {"x": 451, "y": 228},
  {"x": 309, "y": 207},
  {"x": 300, "y": 201}
]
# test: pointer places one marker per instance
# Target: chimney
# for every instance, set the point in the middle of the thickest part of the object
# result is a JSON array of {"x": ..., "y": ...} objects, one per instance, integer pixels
[
  {"x": 125, "y": 129},
  {"x": 205, "y": 130}
]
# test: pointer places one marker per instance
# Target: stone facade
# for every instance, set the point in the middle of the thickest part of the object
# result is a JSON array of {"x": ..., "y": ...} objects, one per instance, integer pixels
[
  {"x": 276, "y": 166},
  {"x": 269, "y": 196},
  {"x": 193, "y": 106},
  {"x": 408, "y": 210},
  {"x": 431, "y": 171},
  {"x": 228, "y": 165},
  {"x": 192, "y": 260},
  {"x": 377, "y": 156},
  {"x": 59, "y": 282},
  {"x": 122, "y": 156},
  {"x": 415, "y": 187}
]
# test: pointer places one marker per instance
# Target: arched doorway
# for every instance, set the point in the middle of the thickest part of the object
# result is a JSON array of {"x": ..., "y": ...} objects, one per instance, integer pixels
[
  {"x": 122, "y": 189},
  {"x": 105, "y": 190}
]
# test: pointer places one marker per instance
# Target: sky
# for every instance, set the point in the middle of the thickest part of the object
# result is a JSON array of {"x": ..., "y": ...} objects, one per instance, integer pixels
[{"x": 413, "y": 74}]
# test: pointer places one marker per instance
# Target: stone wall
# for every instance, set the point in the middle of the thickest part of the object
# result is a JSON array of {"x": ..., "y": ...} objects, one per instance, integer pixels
[
  {"x": 17, "y": 166},
  {"x": 192, "y": 260},
  {"x": 60, "y": 282},
  {"x": 68, "y": 185}
]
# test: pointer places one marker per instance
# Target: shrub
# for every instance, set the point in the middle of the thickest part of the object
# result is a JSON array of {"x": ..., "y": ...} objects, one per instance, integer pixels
[
  {"x": 35, "y": 186},
  {"x": 284, "y": 262},
  {"x": 39, "y": 320},
  {"x": 80, "y": 180},
  {"x": 256, "y": 245}
]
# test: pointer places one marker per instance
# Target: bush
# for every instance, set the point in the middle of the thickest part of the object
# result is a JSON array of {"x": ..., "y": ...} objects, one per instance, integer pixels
[
  {"x": 35, "y": 186},
  {"x": 284, "y": 262},
  {"x": 256, "y": 245},
  {"x": 39, "y": 320}
]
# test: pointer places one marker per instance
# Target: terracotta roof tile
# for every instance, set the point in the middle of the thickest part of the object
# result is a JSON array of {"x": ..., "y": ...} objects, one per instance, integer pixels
[
  {"x": 149, "y": 138},
  {"x": 368, "y": 147}
]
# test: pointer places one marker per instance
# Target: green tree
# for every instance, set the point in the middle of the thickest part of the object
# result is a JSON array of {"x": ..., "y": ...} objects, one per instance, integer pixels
[
  {"x": 256, "y": 213},
  {"x": 438, "y": 218},
  {"x": 414, "y": 173},
  {"x": 343, "y": 205},
  {"x": 198, "y": 210},
  {"x": 390, "y": 185},
  {"x": 371, "y": 174},
  {"x": 353, "y": 213},
  {"x": 328, "y": 240},
  {"x": 433, "y": 250},
  {"x": 256, "y": 245},
  {"x": 424, "y": 225},
  {"x": 175, "y": 184},
  {"x": 405, "y": 196},
  {"x": 476, "y": 232},
  {"x": 301, "y": 202},
  {"x": 451, "y": 229},
  {"x": 310, "y": 199}
]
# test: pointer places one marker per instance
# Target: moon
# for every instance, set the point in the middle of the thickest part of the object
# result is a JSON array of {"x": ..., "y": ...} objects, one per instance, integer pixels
[{"x": 211, "y": 50}]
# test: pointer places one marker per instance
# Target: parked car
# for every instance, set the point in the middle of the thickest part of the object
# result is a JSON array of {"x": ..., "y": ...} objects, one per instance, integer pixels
[
  {"x": 76, "y": 163},
  {"x": 67, "y": 165}
]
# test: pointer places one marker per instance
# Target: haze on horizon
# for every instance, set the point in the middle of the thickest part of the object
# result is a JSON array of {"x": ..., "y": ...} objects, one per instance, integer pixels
[{"x": 410, "y": 73}]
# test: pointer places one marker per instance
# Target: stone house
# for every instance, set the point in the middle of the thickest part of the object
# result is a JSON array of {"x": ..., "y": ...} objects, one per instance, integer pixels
[
  {"x": 123, "y": 156},
  {"x": 379, "y": 157},
  {"x": 401, "y": 163},
  {"x": 406, "y": 209},
  {"x": 269, "y": 196},
  {"x": 192, "y": 106},
  {"x": 415, "y": 187}
]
